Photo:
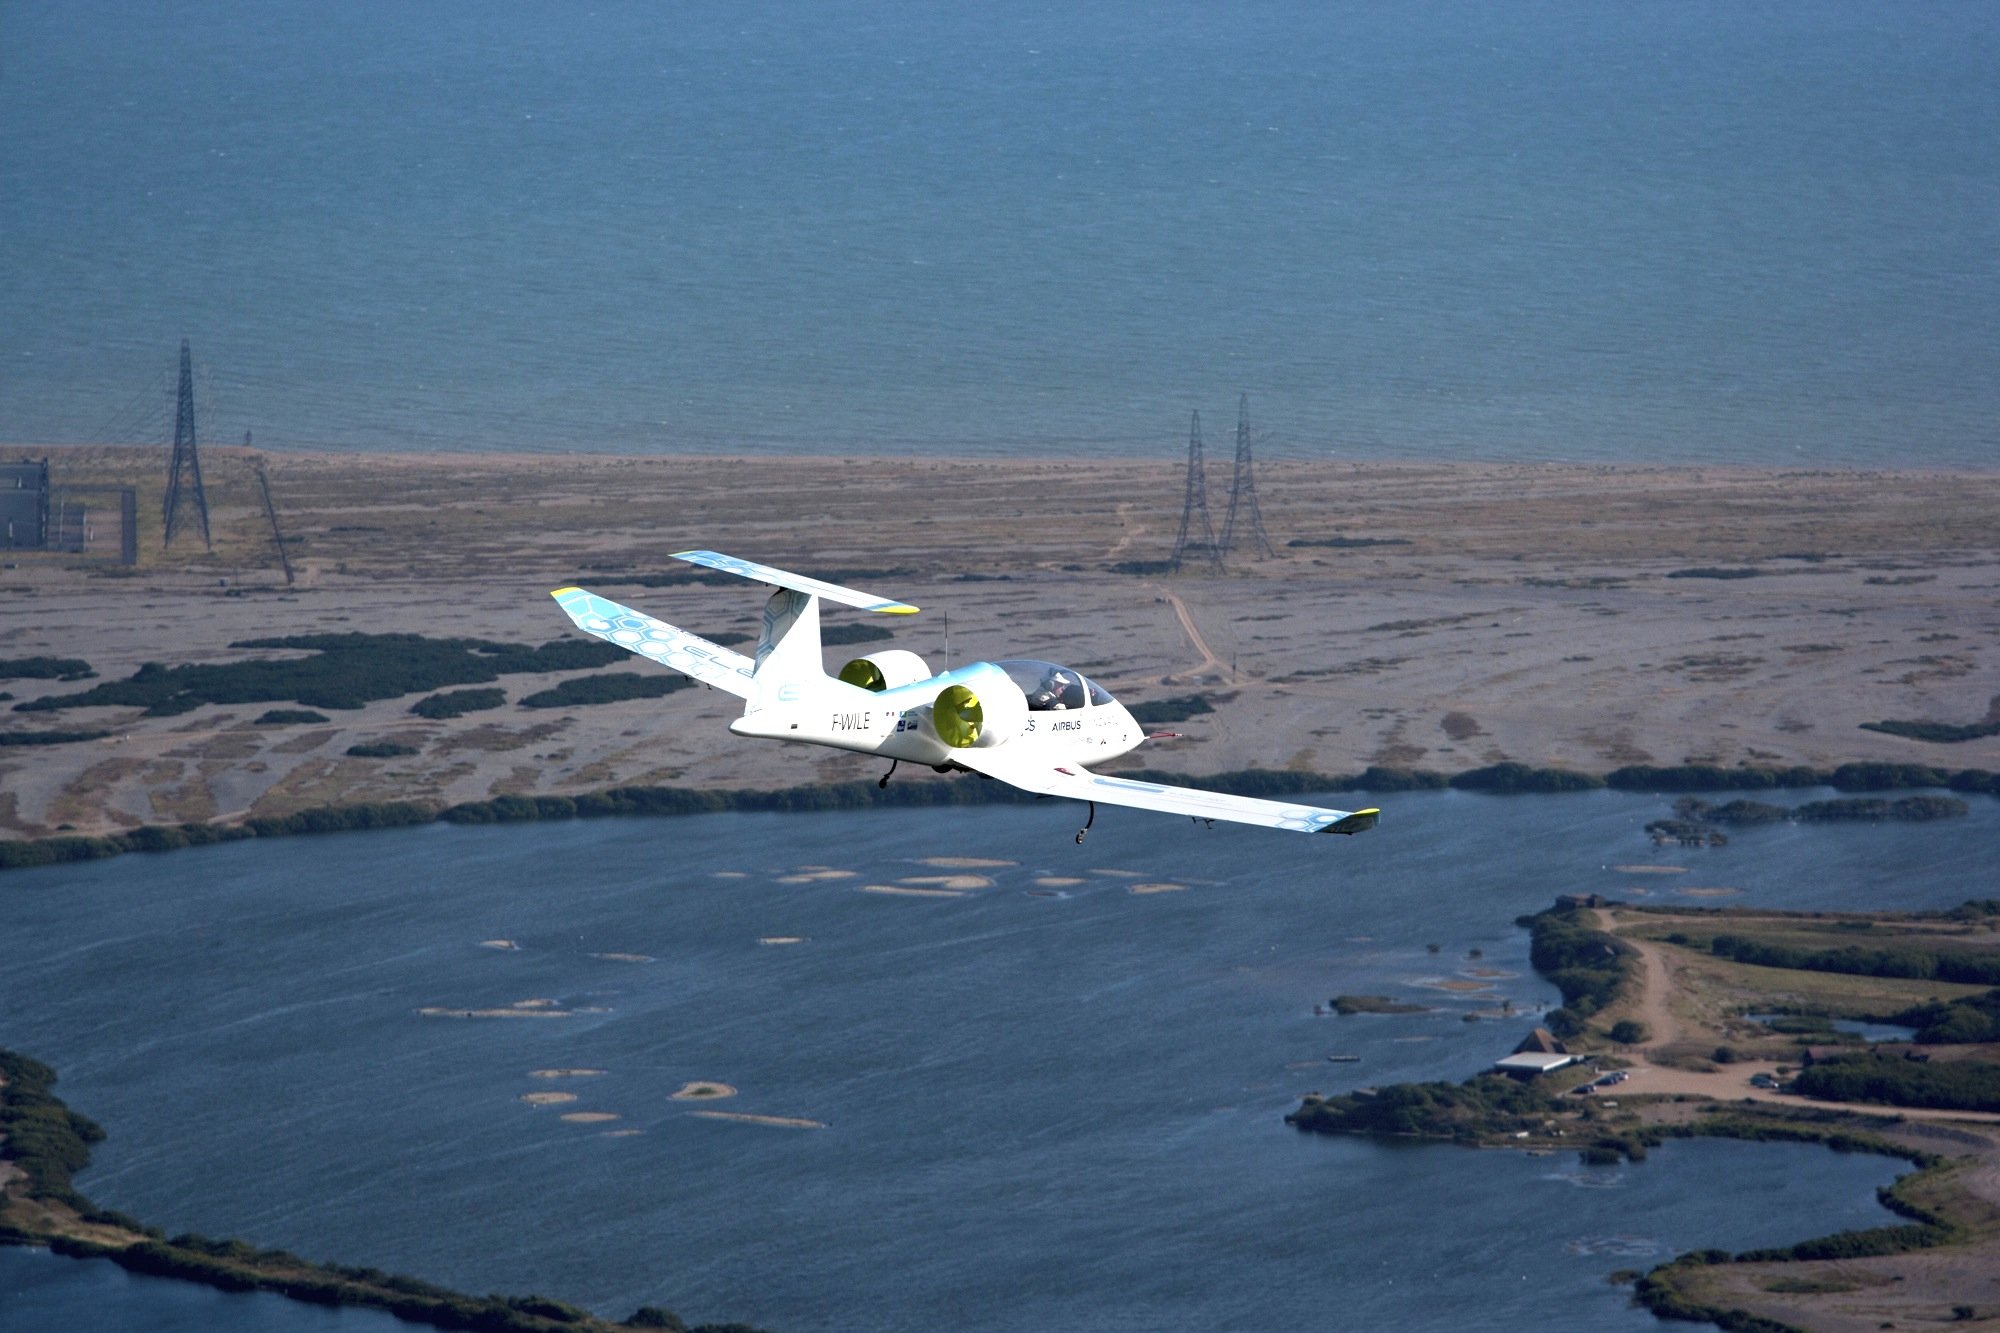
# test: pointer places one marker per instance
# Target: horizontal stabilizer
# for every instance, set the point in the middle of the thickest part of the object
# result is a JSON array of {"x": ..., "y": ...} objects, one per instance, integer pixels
[
  {"x": 1078, "y": 783},
  {"x": 669, "y": 645},
  {"x": 778, "y": 578}
]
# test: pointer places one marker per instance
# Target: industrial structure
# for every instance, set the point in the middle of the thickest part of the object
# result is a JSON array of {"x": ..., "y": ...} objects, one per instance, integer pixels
[
  {"x": 1243, "y": 492},
  {"x": 1190, "y": 544},
  {"x": 24, "y": 504},
  {"x": 186, "y": 463},
  {"x": 39, "y": 513},
  {"x": 1201, "y": 545}
]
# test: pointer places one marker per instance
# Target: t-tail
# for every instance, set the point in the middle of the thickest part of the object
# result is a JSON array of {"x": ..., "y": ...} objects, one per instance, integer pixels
[{"x": 788, "y": 643}]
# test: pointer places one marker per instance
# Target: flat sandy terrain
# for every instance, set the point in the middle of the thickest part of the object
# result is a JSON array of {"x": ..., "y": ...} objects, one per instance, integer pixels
[{"x": 1509, "y": 612}]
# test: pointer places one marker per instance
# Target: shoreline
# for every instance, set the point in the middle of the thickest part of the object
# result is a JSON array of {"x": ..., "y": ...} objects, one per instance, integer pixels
[
  {"x": 666, "y": 802},
  {"x": 43, "y": 1143},
  {"x": 1681, "y": 1086},
  {"x": 1438, "y": 617}
]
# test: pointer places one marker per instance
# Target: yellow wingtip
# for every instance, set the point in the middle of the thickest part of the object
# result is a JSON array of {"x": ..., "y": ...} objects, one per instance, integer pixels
[
  {"x": 557, "y": 592},
  {"x": 900, "y": 609}
]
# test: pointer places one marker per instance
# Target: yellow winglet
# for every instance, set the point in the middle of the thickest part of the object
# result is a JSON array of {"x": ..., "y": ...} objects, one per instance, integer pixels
[{"x": 1358, "y": 822}]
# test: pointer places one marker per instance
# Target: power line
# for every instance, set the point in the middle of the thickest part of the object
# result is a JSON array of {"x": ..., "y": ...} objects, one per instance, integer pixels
[
  {"x": 185, "y": 460},
  {"x": 1196, "y": 502},
  {"x": 1243, "y": 491}
]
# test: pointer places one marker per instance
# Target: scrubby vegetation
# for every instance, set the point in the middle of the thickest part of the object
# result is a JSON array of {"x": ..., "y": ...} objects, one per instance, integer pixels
[
  {"x": 341, "y": 671},
  {"x": 1975, "y": 1018},
  {"x": 45, "y": 668},
  {"x": 457, "y": 703},
  {"x": 1695, "y": 820},
  {"x": 1907, "y": 808},
  {"x": 172, "y": 837},
  {"x": 1273, "y": 783},
  {"x": 1865, "y": 1076},
  {"x": 45, "y": 1139},
  {"x": 1491, "y": 1104},
  {"x": 49, "y": 737},
  {"x": 1590, "y": 967},
  {"x": 1927, "y": 962},
  {"x": 380, "y": 750},
  {"x": 1373, "y": 1004},
  {"x": 1512, "y": 777},
  {"x": 1156, "y": 712},
  {"x": 285, "y": 717},
  {"x": 1348, "y": 543},
  {"x": 606, "y": 688},
  {"x": 1715, "y": 572},
  {"x": 1941, "y": 733}
]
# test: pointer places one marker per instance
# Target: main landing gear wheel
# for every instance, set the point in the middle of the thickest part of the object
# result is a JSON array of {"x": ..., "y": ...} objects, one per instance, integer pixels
[{"x": 1087, "y": 823}]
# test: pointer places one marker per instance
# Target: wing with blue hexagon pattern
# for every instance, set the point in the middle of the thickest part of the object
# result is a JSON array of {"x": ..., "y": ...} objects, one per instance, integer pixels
[{"x": 669, "y": 645}]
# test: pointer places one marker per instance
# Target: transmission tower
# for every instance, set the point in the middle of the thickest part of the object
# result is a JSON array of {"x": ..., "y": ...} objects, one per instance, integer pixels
[
  {"x": 185, "y": 461},
  {"x": 1243, "y": 491},
  {"x": 1196, "y": 503}
]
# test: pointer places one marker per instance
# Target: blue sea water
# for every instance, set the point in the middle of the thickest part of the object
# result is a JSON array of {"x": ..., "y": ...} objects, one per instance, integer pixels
[
  {"x": 1047, "y": 1105},
  {"x": 1655, "y": 231}
]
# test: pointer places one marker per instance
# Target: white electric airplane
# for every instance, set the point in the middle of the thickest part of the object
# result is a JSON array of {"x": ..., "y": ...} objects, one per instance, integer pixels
[{"x": 1030, "y": 724}]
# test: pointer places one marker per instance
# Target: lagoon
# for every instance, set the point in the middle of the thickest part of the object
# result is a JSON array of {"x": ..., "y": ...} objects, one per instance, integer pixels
[{"x": 1044, "y": 1103}]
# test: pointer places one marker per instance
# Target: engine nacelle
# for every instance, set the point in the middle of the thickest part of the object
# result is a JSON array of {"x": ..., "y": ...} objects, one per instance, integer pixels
[
  {"x": 887, "y": 670},
  {"x": 979, "y": 706}
]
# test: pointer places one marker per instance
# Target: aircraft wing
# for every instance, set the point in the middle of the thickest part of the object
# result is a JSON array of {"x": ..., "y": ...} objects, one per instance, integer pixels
[
  {"x": 778, "y": 578},
  {"x": 669, "y": 645},
  {"x": 1038, "y": 775}
]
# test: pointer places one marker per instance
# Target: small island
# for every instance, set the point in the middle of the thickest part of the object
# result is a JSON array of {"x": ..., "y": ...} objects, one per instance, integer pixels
[{"x": 1728, "y": 1022}]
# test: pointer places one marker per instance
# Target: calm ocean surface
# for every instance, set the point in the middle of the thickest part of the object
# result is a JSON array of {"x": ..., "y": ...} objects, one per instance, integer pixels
[
  {"x": 1046, "y": 1105},
  {"x": 1556, "y": 229}
]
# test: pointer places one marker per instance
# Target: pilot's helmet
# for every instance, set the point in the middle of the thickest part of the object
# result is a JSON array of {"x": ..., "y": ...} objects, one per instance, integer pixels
[{"x": 1057, "y": 682}]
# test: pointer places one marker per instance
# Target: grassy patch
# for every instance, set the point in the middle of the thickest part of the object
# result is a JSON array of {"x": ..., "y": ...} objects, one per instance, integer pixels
[
  {"x": 49, "y": 737},
  {"x": 1940, "y": 733},
  {"x": 340, "y": 671},
  {"x": 45, "y": 668},
  {"x": 380, "y": 750},
  {"x": 457, "y": 703},
  {"x": 1157, "y": 711},
  {"x": 607, "y": 688}
]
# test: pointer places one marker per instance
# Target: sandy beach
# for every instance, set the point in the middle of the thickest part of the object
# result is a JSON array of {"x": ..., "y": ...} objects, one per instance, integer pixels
[{"x": 1450, "y": 616}]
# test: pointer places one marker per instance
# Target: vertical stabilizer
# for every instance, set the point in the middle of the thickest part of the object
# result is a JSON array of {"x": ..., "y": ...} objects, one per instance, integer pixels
[{"x": 788, "y": 651}]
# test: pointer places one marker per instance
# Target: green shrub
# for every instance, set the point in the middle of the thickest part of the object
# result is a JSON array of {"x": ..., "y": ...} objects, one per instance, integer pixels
[
  {"x": 380, "y": 750},
  {"x": 49, "y": 737},
  {"x": 340, "y": 671},
  {"x": 457, "y": 703},
  {"x": 283, "y": 717},
  {"x": 1156, "y": 712},
  {"x": 1513, "y": 777},
  {"x": 45, "y": 668},
  {"x": 1958, "y": 1085},
  {"x": 1941, "y": 733},
  {"x": 607, "y": 688}
]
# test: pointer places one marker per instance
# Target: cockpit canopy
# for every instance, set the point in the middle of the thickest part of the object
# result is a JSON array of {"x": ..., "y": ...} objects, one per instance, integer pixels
[{"x": 1050, "y": 687}]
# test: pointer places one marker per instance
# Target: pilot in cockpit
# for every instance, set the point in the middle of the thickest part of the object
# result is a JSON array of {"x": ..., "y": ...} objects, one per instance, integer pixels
[{"x": 1049, "y": 695}]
